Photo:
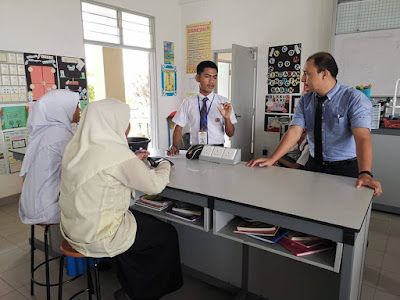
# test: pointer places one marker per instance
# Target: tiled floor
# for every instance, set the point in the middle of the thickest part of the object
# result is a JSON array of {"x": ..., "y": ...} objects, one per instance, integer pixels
[{"x": 381, "y": 272}]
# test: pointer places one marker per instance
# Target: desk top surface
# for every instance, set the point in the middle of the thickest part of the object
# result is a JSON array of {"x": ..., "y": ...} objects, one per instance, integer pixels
[{"x": 321, "y": 197}]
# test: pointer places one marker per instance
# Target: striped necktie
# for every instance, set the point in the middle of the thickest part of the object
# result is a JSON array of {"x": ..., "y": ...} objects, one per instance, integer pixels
[{"x": 203, "y": 115}]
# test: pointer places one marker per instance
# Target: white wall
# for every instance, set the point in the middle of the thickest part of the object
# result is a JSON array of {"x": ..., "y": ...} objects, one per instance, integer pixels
[
  {"x": 38, "y": 26},
  {"x": 263, "y": 23},
  {"x": 54, "y": 27}
]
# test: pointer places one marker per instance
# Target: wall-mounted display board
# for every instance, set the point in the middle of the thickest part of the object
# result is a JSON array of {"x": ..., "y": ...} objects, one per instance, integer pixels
[
  {"x": 12, "y": 77},
  {"x": 41, "y": 74},
  {"x": 72, "y": 75},
  {"x": 284, "y": 68}
]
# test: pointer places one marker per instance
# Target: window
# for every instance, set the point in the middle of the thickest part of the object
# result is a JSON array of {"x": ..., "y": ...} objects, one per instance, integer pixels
[
  {"x": 368, "y": 15},
  {"x": 119, "y": 51}
]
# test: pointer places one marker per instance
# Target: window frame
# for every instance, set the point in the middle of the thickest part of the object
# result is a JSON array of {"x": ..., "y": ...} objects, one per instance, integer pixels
[{"x": 152, "y": 58}]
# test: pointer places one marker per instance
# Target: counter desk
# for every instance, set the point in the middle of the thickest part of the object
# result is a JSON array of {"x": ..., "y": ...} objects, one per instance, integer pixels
[{"x": 323, "y": 205}]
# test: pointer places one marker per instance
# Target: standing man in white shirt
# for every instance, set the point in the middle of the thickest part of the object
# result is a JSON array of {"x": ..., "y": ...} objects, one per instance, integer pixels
[{"x": 209, "y": 115}]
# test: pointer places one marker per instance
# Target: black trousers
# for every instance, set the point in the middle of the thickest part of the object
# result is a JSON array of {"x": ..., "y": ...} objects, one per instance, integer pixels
[
  {"x": 349, "y": 168},
  {"x": 151, "y": 267}
]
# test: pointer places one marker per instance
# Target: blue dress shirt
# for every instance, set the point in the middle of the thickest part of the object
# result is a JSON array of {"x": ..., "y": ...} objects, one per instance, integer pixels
[{"x": 346, "y": 108}]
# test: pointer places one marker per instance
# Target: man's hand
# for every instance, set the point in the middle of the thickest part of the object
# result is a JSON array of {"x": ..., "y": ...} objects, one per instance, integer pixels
[
  {"x": 366, "y": 180},
  {"x": 173, "y": 150},
  {"x": 226, "y": 110},
  {"x": 262, "y": 162}
]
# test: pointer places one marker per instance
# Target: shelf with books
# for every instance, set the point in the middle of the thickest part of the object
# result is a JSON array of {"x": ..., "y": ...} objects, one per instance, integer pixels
[
  {"x": 203, "y": 223},
  {"x": 225, "y": 224}
]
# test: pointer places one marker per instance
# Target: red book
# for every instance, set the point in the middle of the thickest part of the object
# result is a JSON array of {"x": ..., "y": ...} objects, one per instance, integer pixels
[{"x": 300, "y": 250}]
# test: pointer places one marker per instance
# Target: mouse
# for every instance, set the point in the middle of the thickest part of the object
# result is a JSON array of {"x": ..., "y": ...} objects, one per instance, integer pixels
[
  {"x": 194, "y": 151},
  {"x": 155, "y": 161}
]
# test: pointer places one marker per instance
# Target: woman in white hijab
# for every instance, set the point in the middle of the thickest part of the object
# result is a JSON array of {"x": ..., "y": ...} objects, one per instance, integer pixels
[
  {"x": 99, "y": 175},
  {"x": 49, "y": 128}
]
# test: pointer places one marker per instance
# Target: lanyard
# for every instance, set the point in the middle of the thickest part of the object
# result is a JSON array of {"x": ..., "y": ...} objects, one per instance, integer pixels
[{"x": 198, "y": 102}]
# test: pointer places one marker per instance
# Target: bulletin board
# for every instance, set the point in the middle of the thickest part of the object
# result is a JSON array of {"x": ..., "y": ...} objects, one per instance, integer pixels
[
  {"x": 72, "y": 75},
  {"x": 41, "y": 74},
  {"x": 369, "y": 57},
  {"x": 284, "y": 68},
  {"x": 12, "y": 77}
]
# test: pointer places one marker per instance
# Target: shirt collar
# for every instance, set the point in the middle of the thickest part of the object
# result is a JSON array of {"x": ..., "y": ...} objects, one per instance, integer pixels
[
  {"x": 332, "y": 92},
  {"x": 209, "y": 96}
]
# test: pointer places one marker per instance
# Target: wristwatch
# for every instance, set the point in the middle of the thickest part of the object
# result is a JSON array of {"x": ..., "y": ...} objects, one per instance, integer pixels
[{"x": 366, "y": 172}]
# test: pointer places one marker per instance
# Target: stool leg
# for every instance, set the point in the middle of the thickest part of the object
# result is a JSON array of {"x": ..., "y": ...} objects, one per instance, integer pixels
[
  {"x": 60, "y": 277},
  {"x": 46, "y": 255},
  {"x": 32, "y": 256},
  {"x": 97, "y": 279},
  {"x": 89, "y": 278}
]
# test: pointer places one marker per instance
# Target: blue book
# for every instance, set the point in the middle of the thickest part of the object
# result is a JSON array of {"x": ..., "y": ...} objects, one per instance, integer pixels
[{"x": 270, "y": 239}]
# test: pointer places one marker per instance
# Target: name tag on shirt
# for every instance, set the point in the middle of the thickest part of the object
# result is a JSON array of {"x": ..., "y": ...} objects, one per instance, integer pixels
[{"x": 203, "y": 137}]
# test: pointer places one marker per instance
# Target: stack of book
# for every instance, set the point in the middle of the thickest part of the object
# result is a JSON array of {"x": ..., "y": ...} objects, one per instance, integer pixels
[
  {"x": 301, "y": 244},
  {"x": 185, "y": 211},
  {"x": 154, "y": 202},
  {"x": 261, "y": 231}
]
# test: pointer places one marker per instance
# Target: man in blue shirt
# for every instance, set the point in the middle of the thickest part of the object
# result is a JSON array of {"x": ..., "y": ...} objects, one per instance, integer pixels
[{"x": 338, "y": 120}]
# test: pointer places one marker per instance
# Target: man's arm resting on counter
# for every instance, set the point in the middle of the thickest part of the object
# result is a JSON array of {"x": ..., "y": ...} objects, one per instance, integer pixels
[
  {"x": 288, "y": 141},
  {"x": 175, "y": 140},
  {"x": 362, "y": 137}
]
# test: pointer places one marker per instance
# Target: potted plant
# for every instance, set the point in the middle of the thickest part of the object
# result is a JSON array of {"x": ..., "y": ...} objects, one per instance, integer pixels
[{"x": 366, "y": 89}]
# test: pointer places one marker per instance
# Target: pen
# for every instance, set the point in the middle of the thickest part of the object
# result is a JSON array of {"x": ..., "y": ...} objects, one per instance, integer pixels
[
  {"x": 140, "y": 150},
  {"x": 338, "y": 117}
]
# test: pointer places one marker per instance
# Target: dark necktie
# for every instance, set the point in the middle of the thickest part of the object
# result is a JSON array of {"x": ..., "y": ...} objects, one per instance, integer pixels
[
  {"x": 203, "y": 115},
  {"x": 318, "y": 129}
]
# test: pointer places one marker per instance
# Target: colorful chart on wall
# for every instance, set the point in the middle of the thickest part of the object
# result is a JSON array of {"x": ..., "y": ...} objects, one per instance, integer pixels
[
  {"x": 12, "y": 77},
  {"x": 15, "y": 139},
  {"x": 198, "y": 45},
  {"x": 284, "y": 68},
  {"x": 72, "y": 74},
  {"x": 271, "y": 123},
  {"x": 168, "y": 80},
  {"x": 41, "y": 74},
  {"x": 12, "y": 117},
  {"x": 277, "y": 104},
  {"x": 274, "y": 123},
  {"x": 169, "y": 53}
]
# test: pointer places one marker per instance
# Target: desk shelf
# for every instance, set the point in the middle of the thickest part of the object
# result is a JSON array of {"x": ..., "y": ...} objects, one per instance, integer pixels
[
  {"x": 225, "y": 224},
  {"x": 202, "y": 223}
]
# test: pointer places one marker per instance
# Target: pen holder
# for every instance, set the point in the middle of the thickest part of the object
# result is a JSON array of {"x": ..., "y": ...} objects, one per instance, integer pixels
[{"x": 366, "y": 92}]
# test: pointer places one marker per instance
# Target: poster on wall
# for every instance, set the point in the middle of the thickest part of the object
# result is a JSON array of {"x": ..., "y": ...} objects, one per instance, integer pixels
[
  {"x": 277, "y": 104},
  {"x": 198, "y": 45},
  {"x": 271, "y": 123},
  {"x": 12, "y": 117},
  {"x": 284, "y": 68},
  {"x": 169, "y": 53},
  {"x": 72, "y": 74},
  {"x": 168, "y": 80},
  {"x": 15, "y": 139},
  {"x": 41, "y": 74},
  {"x": 12, "y": 77}
]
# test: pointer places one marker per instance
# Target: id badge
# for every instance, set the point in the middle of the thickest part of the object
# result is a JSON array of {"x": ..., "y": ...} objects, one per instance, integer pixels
[{"x": 203, "y": 138}]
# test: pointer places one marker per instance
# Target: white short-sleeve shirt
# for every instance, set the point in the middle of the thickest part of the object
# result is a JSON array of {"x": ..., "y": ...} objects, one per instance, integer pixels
[{"x": 189, "y": 112}]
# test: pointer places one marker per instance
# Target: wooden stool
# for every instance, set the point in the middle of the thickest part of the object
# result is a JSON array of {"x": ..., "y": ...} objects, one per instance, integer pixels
[
  {"x": 46, "y": 260},
  {"x": 67, "y": 250}
]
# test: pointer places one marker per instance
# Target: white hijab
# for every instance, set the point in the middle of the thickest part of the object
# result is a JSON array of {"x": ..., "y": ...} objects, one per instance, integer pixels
[
  {"x": 49, "y": 123},
  {"x": 98, "y": 144}
]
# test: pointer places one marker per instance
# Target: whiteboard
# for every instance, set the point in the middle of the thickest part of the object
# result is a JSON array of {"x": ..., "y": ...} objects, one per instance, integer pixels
[{"x": 369, "y": 57}]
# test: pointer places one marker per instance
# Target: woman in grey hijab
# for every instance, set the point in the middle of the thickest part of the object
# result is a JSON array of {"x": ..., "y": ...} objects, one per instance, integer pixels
[{"x": 49, "y": 128}]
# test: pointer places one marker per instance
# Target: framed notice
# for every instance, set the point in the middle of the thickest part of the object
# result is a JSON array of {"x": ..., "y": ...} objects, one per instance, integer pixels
[{"x": 198, "y": 45}]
